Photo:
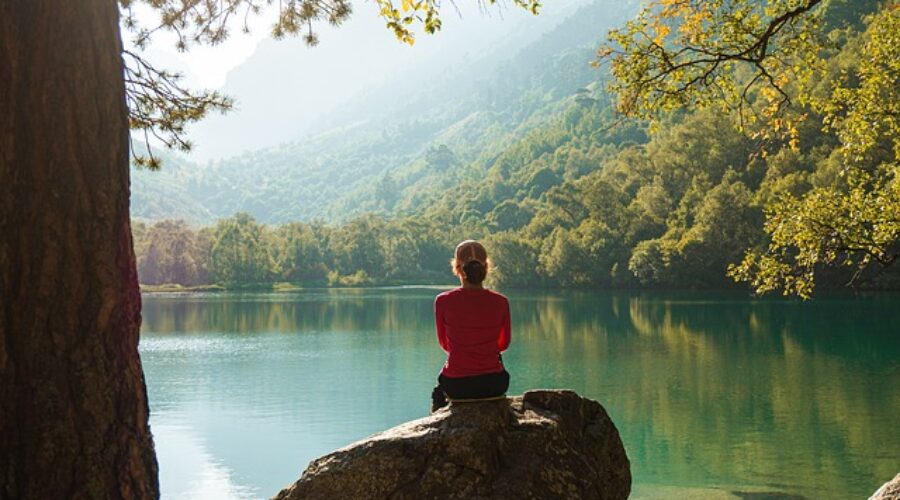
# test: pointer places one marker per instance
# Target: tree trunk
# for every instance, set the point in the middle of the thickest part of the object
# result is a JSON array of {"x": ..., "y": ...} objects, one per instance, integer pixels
[{"x": 73, "y": 405}]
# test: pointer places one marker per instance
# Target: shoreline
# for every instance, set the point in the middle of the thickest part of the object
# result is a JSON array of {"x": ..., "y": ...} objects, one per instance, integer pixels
[{"x": 319, "y": 286}]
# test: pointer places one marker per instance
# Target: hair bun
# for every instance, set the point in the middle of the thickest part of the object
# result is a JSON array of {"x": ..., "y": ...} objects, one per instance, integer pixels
[{"x": 475, "y": 271}]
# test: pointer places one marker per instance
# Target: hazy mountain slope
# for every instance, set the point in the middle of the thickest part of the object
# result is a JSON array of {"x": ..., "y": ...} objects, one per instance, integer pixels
[
  {"x": 164, "y": 194},
  {"x": 286, "y": 90},
  {"x": 442, "y": 131}
]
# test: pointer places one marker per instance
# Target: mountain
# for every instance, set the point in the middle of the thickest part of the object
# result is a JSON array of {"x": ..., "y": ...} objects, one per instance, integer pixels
[
  {"x": 390, "y": 147},
  {"x": 164, "y": 194}
]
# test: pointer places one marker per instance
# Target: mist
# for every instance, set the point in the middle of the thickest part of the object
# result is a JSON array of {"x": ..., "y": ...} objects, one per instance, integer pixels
[{"x": 285, "y": 90}]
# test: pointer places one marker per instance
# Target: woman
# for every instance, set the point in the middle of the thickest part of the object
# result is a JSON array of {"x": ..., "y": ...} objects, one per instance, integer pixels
[{"x": 473, "y": 327}]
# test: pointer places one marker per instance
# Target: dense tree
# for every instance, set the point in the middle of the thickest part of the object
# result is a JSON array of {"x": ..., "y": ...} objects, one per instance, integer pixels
[
  {"x": 171, "y": 252},
  {"x": 356, "y": 245},
  {"x": 301, "y": 252},
  {"x": 240, "y": 252},
  {"x": 509, "y": 214},
  {"x": 854, "y": 221},
  {"x": 440, "y": 157},
  {"x": 514, "y": 261},
  {"x": 387, "y": 191},
  {"x": 765, "y": 61}
]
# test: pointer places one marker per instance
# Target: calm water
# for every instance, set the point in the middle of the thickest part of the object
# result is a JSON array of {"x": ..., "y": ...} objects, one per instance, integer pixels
[{"x": 716, "y": 396}]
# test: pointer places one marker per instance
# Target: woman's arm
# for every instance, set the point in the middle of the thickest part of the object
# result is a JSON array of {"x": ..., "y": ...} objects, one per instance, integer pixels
[
  {"x": 439, "y": 324},
  {"x": 505, "y": 330}
]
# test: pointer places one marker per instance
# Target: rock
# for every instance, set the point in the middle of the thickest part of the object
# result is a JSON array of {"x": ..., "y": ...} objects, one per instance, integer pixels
[
  {"x": 543, "y": 444},
  {"x": 889, "y": 490}
]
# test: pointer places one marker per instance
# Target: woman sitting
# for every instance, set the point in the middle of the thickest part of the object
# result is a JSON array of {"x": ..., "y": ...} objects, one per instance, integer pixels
[{"x": 473, "y": 327}]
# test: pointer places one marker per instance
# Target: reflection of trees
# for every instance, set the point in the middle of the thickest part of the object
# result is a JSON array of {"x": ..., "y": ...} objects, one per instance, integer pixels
[
  {"x": 705, "y": 389},
  {"x": 326, "y": 310},
  {"x": 708, "y": 389},
  {"x": 757, "y": 388},
  {"x": 553, "y": 335}
]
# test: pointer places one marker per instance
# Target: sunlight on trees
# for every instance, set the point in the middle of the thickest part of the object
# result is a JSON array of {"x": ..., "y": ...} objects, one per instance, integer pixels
[
  {"x": 855, "y": 221},
  {"x": 766, "y": 62},
  {"x": 734, "y": 56}
]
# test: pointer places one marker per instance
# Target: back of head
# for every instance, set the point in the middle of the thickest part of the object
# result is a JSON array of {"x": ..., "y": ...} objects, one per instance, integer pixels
[
  {"x": 471, "y": 261},
  {"x": 474, "y": 272}
]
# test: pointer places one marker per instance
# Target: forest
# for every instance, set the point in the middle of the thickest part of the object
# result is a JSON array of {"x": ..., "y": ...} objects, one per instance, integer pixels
[{"x": 580, "y": 197}]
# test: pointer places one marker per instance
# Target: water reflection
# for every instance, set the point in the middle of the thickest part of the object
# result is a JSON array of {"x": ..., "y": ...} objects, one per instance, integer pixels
[
  {"x": 708, "y": 391},
  {"x": 188, "y": 468}
]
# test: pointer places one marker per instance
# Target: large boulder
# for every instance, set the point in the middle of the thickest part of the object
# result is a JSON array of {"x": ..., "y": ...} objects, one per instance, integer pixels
[
  {"x": 889, "y": 490},
  {"x": 543, "y": 444}
]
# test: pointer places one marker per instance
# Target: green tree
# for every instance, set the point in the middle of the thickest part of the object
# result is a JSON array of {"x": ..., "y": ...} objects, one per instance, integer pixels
[
  {"x": 300, "y": 251},
  {"x": 357, "y": 247},
  {"x": 387, "y": 191},
  {"x": 172, "y": 254},
  {"x": 440, "y": 157},
  {"x": 562, "y": 258},
  {"x": 855, "y": 221},
  {"x": 648, "y": 262},
  {"x": 765, "y": 62},
  {"x": 717, "y": 53},
  {"x": 414, "y": 251},
  {"x": 240, "y": 253},
  {"x": 509, "y": 214},
  {"x": 515, "y": 261},
  {"x": 724, "y": 223}
]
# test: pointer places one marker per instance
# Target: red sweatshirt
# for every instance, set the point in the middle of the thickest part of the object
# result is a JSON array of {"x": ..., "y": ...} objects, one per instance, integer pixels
[{"x": 473, "y": 327}]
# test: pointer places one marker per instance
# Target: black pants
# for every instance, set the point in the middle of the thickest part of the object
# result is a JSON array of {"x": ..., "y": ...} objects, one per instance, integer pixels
[{"x": 474, "y": 387}]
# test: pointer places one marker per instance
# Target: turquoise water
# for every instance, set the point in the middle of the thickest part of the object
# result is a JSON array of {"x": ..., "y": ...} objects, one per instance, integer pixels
[{"x": 715, "y": 395}]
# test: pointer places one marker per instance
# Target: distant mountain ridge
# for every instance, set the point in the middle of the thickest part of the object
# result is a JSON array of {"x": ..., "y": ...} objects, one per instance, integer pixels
[{"x": 386, "y": 155}]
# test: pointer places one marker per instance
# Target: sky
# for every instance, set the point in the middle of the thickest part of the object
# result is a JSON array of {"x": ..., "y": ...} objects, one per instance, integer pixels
[
  {"x": 285, "y": 90},
  {"x": 202, "y": 66}
]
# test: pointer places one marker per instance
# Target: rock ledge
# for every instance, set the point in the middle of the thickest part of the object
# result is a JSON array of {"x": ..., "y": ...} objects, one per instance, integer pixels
[
  {"x": 543, "y": 444},
  {"x": 888, "y": 491}
]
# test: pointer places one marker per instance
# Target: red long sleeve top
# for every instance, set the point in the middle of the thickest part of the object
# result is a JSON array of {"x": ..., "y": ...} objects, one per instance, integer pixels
[{"x": 473, "y": 327}]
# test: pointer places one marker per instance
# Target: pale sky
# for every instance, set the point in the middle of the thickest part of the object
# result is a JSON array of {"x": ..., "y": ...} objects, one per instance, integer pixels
[{"x": 202, "y": 65}]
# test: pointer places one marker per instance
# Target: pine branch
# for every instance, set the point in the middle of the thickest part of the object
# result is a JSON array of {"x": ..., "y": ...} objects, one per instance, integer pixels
[{"x": 160, "y": 107}]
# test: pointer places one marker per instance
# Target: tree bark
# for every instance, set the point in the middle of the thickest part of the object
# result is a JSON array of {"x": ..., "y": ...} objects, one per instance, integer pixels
[{"x": 73, "y": 404}]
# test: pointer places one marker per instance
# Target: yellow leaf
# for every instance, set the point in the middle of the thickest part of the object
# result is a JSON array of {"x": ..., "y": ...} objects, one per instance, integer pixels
[{"x": 661, "y": 31}]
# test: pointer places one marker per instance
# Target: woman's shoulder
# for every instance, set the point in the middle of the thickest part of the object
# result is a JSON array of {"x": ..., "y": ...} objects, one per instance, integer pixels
[
  {"x": 464, "y": 294},
  {"x": 497, "y": 295},
  {"x": 446, "y": 294}
]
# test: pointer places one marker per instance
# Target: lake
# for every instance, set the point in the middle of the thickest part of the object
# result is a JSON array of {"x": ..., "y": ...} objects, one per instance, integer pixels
[{"x": 715, "y": 395}]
